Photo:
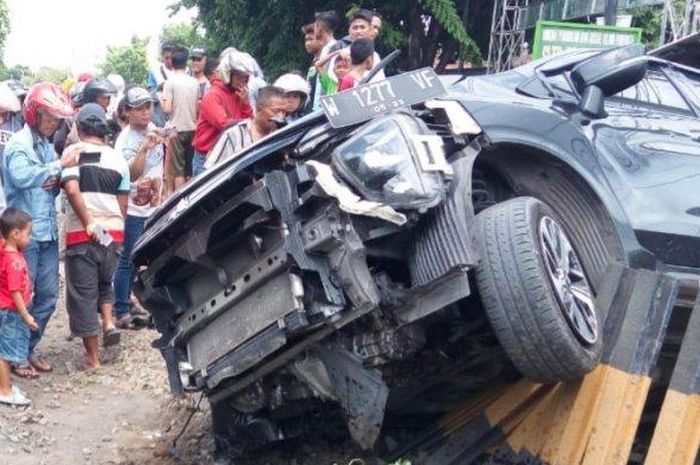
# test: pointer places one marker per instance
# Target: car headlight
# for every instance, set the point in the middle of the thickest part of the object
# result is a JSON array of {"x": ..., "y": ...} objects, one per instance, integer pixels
[{"x": 395, "y": 161}]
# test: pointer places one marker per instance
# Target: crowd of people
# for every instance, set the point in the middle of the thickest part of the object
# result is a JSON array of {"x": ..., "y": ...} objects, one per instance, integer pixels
[{"x": 106, "y": 153}]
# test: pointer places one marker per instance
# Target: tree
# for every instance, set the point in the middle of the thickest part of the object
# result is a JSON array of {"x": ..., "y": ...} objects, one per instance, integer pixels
[
  {"x": 50, "y": 74},
  {"x": 649, "y": 19},
  {"x": 269, "y": 29},
  {"x": 4, "y": 24},
  {"x": 21, "y": 73},
  {"x": 182, "y": 34},
  {"x": 128, "y": 61},
  {"x": 4, "y": 31}
]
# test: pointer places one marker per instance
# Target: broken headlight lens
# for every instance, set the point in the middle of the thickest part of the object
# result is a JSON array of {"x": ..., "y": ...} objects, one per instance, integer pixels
[{"x": 389, "y": 161}]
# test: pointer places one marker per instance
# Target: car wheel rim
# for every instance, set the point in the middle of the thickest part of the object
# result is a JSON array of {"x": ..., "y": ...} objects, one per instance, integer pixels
[{"x": 569, "y": 281}]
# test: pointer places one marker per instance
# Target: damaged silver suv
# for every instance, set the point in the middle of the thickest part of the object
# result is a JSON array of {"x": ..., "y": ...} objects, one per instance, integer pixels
[{"x": 406, "y": 236}]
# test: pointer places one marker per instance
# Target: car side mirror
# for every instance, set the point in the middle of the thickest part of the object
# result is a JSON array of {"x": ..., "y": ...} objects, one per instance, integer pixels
[
  {"x": 592, "y": 103},
  {"x": 612, "y": 71},
  {"x": 606, "y": 74}
]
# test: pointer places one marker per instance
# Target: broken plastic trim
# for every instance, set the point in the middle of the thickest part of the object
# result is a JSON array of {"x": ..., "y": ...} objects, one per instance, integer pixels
[
  {"x": 350, "y": 202},
  {"x": 461, "y": 122}
]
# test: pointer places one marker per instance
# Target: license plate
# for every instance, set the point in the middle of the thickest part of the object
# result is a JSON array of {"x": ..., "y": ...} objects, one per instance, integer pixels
[{"x": 364, "y": 102}]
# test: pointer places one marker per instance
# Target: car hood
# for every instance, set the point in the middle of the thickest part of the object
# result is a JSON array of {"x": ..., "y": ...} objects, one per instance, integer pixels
[{"x": 212, "y": 178}]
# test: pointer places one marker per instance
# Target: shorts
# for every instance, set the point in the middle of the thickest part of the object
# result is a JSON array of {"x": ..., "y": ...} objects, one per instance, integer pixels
[
  {"x": 181, "y": 153},
  {"x": 198, "y": 162},
  {"x": 89, "y": 274},
  {"x": 14, "y": 337}
]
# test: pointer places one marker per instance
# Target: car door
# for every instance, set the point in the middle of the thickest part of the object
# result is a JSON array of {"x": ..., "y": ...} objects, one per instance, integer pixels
[{"x": 650, "y": 140}]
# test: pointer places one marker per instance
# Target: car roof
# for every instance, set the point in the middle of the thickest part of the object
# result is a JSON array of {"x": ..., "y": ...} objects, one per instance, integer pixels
[{"x": 685, "y": 51}]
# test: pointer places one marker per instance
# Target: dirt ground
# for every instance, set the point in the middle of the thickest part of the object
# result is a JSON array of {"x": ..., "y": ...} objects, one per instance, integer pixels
[{"x": 122, "y": 414}]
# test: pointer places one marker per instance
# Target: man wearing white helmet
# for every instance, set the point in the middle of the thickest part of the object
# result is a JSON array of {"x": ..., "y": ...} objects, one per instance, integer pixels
[
  {"x": 119, "y": 84},
  {"x": 225, "y": 104},
  {"x": 296, "y": 93}
]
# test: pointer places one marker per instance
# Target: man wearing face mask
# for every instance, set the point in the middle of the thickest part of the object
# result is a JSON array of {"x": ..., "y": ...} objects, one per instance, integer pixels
[
  {"x": 270, "y": 112},
  {"x": 226, "y": 103}
]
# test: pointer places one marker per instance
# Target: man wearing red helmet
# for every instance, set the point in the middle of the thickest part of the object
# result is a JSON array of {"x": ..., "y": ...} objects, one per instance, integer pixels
[{"x": 31, "y": 174}]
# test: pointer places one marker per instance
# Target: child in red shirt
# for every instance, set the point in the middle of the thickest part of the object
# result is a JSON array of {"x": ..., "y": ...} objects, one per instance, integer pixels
[
  {"x": 362, "y": 58},
  {"x": 15, "y": 297}
]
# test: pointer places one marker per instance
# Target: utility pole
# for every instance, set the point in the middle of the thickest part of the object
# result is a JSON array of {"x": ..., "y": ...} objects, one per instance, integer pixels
[{"x": 610, "y": 12}]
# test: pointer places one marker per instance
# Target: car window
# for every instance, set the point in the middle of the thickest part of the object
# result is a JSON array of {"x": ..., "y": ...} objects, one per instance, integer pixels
[
  {"x": 654, "y": 89},
  {"x": 692, "y": 82},
  {"x": 561, "y": 83}
]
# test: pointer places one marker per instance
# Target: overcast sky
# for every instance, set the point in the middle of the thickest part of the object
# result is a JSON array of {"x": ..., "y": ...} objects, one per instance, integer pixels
[{"x": 74, "y": 34}]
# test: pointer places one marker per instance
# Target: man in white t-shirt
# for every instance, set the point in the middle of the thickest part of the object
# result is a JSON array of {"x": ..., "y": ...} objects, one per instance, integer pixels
[
  {"x": 360, "y": 27},
  {"x": 141, "y": 143},
  {"x": 179, "y": 101}
]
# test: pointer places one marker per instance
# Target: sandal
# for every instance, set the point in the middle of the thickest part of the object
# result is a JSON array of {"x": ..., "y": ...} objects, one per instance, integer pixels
[
  {"x": 138, "y": 311},
  {"x": 125, "y": 322},
  {"x": 40, "y": 364},
  {"x": 139, "y": 322},
  {"x": 17, "y": 398},
  {"x": 25, "y": 371},
  {"x": 111, "y": 337},
  {"x": 84, "y": 366}
]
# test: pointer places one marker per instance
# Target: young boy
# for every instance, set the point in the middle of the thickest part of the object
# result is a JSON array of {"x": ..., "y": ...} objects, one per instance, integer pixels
[
  {"x": 15, "y": 297},
  {"x": 341, "y": 67},
  {"x": 362, "y": 58}
]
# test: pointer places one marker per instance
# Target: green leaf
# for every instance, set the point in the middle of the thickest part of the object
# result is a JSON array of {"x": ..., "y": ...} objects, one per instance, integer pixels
[{"x": 445, "y": 13}]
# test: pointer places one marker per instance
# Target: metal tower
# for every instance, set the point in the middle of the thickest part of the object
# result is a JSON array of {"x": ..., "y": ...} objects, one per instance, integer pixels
[
  {"x": 511, "y": 18},
  {"x": 507, "y": 35},
  {"x": 680, "y": 18}
]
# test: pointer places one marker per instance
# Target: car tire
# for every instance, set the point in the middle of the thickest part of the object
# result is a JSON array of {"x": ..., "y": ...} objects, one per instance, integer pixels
[{"x": 524, "y": 291}]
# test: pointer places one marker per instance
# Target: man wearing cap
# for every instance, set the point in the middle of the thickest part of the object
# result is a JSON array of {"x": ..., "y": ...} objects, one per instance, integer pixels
[
  {"x": 179, "y": 101},
  {"x": 97, "y": 191},
  {"x": 226, "y": 103},
  {"x": 198, "y": 61},
  {"x": 141, "y": 144}
]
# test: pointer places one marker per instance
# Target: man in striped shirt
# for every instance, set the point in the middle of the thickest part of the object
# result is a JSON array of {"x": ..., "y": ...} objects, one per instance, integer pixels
[{"x": 97, "y": 191}]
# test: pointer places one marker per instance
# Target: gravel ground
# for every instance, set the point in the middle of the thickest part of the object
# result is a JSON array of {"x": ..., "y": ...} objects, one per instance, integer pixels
[{"x": 122, "y": 414}]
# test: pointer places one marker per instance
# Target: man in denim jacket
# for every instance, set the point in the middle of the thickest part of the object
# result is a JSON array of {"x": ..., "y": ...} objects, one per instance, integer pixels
[{"x": 31, "y": 175}]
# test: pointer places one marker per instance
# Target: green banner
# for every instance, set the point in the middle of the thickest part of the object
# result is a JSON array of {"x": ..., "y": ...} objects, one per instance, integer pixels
[{"x": 552, "y": 37}]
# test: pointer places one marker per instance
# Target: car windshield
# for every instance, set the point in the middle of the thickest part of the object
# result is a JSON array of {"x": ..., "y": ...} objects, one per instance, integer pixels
[{"x": 554, "y": 70}]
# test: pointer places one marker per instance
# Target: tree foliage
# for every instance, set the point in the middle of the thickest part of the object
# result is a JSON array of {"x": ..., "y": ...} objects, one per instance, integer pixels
[
  {"x": 21, "y": 73},
  {"x": 182, "y": 34},
  {"x": 445, "y": 13},
  {"x": 51, "y": 74},
  {"x": 128, "y": 61},
  {"x": 649, "y": 19},
  {"x": 4, "y": 24},
  {"x": 270, "y": 29}
]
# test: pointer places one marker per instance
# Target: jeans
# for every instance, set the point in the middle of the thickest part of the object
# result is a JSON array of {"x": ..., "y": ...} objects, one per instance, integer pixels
[
  {"x": 124, "y": 277},
  {"x": 198, "y": 163},
  {"x": 42, "y": 259}
]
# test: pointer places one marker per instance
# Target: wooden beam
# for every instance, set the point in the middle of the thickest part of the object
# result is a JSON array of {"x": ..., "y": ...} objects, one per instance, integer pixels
[{"x": 677, "y": 434}]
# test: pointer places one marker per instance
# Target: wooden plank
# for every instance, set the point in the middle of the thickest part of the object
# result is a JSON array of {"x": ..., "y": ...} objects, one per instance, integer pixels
[
  {"x": 565, "y": 444},
  {"x": 513, "y": 398},
  {"x": 616, "y": 418},
  {"x": 677, "y": 434},
  {"x": 533, "y": 432}
]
